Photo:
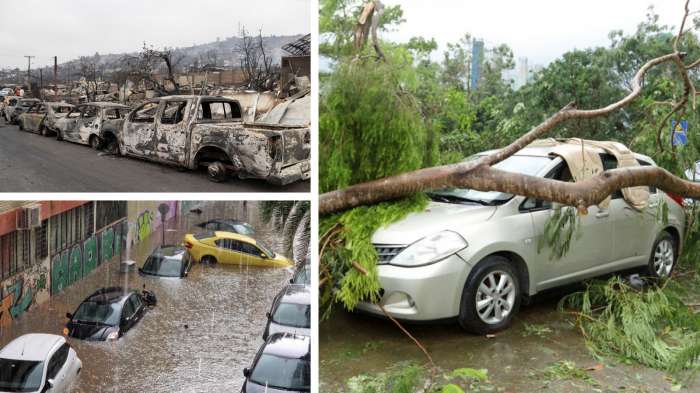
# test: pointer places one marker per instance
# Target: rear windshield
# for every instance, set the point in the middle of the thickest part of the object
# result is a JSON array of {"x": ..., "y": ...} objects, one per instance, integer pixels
[
  {"x": 292, "y": 314},
  {"x": 160, "y": 265},
  {"x": 20, "y": 375},
  {"x": 204, "y": 235},
  {"x": 99, "y": 313},
  {"x": 282, "y": 373}
]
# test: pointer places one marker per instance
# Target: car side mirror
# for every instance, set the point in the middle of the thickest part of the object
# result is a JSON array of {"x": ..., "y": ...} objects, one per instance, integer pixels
[
  {"x": 269, "y": 316},
  {"x": 246, "y": 372},
  {"x": 69, "y": 315},
  {"x": 263, "y": 255},
  {"x": 50, "y": 382}
]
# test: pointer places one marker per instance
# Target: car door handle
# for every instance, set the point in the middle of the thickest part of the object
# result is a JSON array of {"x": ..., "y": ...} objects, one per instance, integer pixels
[{"x": 602, "y": 214}]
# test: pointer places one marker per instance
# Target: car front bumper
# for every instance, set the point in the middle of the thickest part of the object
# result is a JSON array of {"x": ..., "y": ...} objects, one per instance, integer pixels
[{"x": 424, "y": 293}]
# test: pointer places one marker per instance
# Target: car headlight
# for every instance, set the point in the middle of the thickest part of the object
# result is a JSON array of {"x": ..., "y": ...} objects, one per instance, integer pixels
[
  {"x": 113, "y": 335},
  {"x": 430, "y": 249}
]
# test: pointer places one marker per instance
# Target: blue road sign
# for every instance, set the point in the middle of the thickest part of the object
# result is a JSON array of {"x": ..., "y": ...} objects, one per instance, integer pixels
[{"x": 679, "y": 132}]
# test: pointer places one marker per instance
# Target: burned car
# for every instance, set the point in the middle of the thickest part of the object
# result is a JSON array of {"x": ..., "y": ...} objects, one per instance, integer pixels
[
  {"x": 92, "y": 124},
  {"x": 207, "y": 131},
  {"x": 21, "y": 106},
  {"x": 41, "y": 117}
]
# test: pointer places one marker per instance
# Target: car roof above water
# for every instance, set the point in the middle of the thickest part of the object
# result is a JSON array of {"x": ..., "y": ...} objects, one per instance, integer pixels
[
  {"x": 296, "y": 293},
  {"x": 108, "y": 295},
  {"x": 32, "y": 347}
]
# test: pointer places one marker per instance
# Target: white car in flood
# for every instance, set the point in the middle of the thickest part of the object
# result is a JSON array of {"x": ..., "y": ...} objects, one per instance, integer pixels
[{"x": 38, "y": 363}]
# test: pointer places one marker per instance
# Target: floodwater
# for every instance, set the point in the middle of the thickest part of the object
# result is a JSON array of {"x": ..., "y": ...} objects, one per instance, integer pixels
[
  {"x": 353, "y": 344},
  {"x": 205, "y": 329}
]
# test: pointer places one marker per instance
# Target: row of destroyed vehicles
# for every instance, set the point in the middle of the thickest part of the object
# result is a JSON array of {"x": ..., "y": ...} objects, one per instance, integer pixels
[
  {"x": 184, "y": 131},
  {"x": 47, "y": 363}
]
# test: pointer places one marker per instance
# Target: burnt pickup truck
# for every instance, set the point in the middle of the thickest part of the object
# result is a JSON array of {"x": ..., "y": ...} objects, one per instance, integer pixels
[{"x": 206, "y": 131}]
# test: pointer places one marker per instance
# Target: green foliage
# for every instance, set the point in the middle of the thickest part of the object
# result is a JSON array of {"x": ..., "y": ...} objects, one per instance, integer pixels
[
  {"x": 354, "y": 244},
  {"x": 401, "y": 378},
  {"x": 566, "y": 370},
  {"x": 540, "y": 331},
  {"x": 559, "y": 231},
  {"x": 652, "y": 327},
  {"x": 470, "y": 373}
]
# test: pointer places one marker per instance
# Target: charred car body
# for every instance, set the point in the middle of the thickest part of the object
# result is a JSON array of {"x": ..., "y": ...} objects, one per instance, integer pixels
[
  {"x": 92, "y": 124},
  {"x": 206, "y": 131},
  {"x": 41, "y": 117},
  {"x": 20, "y": 107}
]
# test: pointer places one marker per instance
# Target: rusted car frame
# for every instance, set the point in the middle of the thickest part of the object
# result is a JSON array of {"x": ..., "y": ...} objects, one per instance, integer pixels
[
  {"x": 207, "y": 131},
  {"x": 42, "y": 116}
]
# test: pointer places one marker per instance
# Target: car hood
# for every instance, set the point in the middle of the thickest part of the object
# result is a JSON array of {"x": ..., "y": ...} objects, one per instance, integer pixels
[
  {"x": 436, "y": 217},
  {"x": 251, "y": 387},
  {"x": 84, "y": 331}
]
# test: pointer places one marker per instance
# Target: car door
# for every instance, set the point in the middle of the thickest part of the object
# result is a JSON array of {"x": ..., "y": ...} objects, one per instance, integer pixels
[
  {"x": 89, "y": 123},
  {"x": 634, "y": 231},
  {"x": 171, "y": 132},
  {"x": 139, "y": 131},
  {"x": 39, "y": 117},
  {"x": 57, "y": 369},
  {"x": 139, "y": 308},
  {"x": 127, "y": 316},
  {"x": 68, "y": 125},
  {"x": 252, "y": 254},
  {"x": 230, "y": 251},
  {"x": 590, "y": 248}
]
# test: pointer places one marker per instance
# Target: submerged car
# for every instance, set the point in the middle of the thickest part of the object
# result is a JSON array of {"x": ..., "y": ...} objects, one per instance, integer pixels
[
  {"x": 92, "y": 124},
  {"x": 232, "y": 248},
  {"x": 474, "y": 255},
  {"x": 42, "y": 116},
  {"x": 290, "y": 312},
  {"x": 228, "y": 225},
  {"x": 38, "y": 363},
  {"x": 282, "y": 364},
  {"x": 108, "y": 314},
  {"x": 167, "y": 261}
]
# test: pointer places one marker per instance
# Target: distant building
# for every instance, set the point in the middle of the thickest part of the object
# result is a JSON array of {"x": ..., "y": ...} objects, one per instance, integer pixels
[
  {"x": 298, "y": 61},
  {"x": 476, "y": 61},
  {"x": 522, "y": 73}
]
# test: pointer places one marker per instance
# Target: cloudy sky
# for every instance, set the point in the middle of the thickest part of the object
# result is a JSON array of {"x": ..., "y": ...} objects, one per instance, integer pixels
[
  {"x": 69, "y": 29},
  {"x": 538, "y": 29}
]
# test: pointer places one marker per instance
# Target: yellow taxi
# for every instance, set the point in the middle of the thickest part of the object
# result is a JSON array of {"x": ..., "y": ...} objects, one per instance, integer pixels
[{"x": 232, "y": 249}]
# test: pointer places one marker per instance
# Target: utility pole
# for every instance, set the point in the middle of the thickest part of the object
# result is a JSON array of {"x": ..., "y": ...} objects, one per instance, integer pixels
[
  {"x": 29, "y": 70},
  {"x": 41, "y": 83},
  {"x": 55, "y": 78}
]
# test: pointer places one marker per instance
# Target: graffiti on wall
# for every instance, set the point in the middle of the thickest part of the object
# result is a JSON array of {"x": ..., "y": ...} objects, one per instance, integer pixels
[
  {"x": 145, "y": 224},
  {"x": 79, "y": 260},
  {"x": 21, "y": 293}
]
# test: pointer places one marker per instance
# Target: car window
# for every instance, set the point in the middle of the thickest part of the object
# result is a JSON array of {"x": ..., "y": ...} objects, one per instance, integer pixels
[
  {"x": 62, "y": 109},
  {"x": 218, "y": 111},
  {"x": 174, "y": 112},
  {"x": 75, "y": 113},
  {"x": 90, "y": 111},
  {"x": 282, "y": 373},
  {"x": 292, "y": 314},
  {"x": 652, "y": 189},
  {"x": 21, "y": 375},
  {"x": 107, "y": 313},
  {"x": 610, "y": 162},
  {"x": 128, "y": 309},
  {"x": 114, "y": 113},
  {"x": 250, "y": 249},
  {"x": 212, "y": 226},
  {"x": 146, "y": 113},
  {"x": 57, "y": 361},
  {"x": 136, "y": 302},
  {"x": 244, "y": 229},
  {"x": 204, "y": 235},
  {"x": 160, "y": 265}
]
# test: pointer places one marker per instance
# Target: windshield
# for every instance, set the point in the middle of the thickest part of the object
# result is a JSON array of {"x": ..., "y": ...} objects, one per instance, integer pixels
[
  {"x": 20, "y": 375},
  {"x": 163, "y": 266},
  {"x": 101, "y": 313},
  {"x": 292, "y": 314},
  {"x": 267, "y": 250},
  {"x": 302, "y": 276},
  {"x": 62, "y": 109},
  {"x": 281, "y": 373},
  {"x": 527, "y": 165}
]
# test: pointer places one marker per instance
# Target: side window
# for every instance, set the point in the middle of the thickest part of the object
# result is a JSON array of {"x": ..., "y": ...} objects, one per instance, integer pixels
[
  {"x": 146, "y": 113},
  {"x": 223, "y": 243},
  {"x": 561, "y": 173},
  {"x": 112, "y": 114},
  {"x": 75, "y": 113},
  {"x": 135, "y": 302},
  {"x": 90, "y": 111},
  {"x": 174, "y": 112},
  {"x": 610, "y": 162},
  {"x": 652, "y": 189},
  {"x": 250, "y": 249},
  {"x": 42, "y": 108},
  {"x": 128, "y": 309},
  {"x": 57, "y": 361},
  {"x": 217, "y": 111}
]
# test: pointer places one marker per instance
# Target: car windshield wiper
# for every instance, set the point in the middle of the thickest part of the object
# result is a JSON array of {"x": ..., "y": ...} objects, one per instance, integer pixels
[
  {"x": 455, "y": 198},
  {"x": 98, "y": 323}
]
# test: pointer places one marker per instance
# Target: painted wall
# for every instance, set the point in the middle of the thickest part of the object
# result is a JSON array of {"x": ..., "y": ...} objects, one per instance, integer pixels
[
  {"x": 144, "y": 217},
  {"x": 23, "y": 290}
]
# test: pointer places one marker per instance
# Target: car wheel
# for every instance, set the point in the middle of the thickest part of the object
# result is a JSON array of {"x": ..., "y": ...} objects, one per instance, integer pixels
[
  {"x": 59, "y": 135},
  {"x": 111, "y": 146},
  {"x": 21, "y": 126},
  {"x": 94, "y": 142},
  {"x": 42, "y": 130},
  {"x": 491, "y": 296},
  {"x": 208, "y": 259},
  {"x": 663, "y": 256},
  {"x": 216, "y": 171}
]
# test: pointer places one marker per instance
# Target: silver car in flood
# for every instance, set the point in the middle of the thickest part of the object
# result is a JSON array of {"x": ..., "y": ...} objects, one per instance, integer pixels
[{"x": 474, "y": 255}]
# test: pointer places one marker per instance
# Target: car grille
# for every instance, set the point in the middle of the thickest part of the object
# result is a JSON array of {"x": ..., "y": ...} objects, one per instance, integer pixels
[{"x": 387, "y": 252}]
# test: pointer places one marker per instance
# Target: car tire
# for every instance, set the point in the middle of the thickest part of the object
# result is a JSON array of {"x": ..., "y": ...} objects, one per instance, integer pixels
[
  {"x": 216, "y": 171},
  {"x": 59, "y": 135},
  {"x": 663, "y": 256},
  {"x": 21, "y": 126},
  {"x": 94, "y": 142},
  {"x": 208, "y": 259},
  {"x": 488, "y": 317},
  {"x": 42, "y": 130}
]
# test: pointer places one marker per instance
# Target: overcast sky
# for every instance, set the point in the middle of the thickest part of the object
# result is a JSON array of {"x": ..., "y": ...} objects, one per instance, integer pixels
[
  {"x": 69, "y": 29},
  {"x": 541, "y": 30}
]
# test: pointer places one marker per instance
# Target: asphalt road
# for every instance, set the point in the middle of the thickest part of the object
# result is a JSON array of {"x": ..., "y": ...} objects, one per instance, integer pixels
[{"x": 32, "y": 163}]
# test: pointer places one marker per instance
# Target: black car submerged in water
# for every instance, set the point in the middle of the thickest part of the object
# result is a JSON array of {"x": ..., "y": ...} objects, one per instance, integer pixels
[
  {"x": 108, "y": 313},
  {"x": 167, "y": 261}
]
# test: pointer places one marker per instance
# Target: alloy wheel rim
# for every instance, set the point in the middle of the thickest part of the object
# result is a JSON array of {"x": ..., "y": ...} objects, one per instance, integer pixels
[
  {"x": 663, "y": 258},
  {"x": 495, "y": 297}
]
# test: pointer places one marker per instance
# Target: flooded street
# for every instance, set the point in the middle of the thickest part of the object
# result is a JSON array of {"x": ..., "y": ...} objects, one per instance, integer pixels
[
  {"x": 353, "y": 344},
  {"x": 205, "y": 329}
]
